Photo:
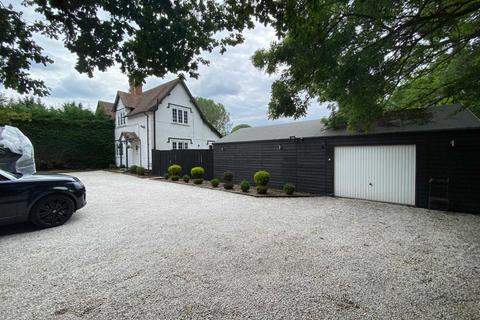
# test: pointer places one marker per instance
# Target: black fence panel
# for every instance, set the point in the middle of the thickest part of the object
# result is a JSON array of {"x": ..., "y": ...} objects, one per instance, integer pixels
[{"x": 162, "y": 159}]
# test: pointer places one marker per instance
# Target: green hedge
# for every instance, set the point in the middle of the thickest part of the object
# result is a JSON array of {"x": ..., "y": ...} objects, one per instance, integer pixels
[{"x": 70, "y": 144}]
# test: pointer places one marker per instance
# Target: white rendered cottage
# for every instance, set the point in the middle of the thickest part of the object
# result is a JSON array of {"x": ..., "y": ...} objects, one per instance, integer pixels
[{"x": 163, "y": 118}]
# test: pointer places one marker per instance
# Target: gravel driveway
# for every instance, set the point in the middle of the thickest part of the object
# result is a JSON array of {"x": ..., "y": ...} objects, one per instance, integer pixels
[{"x": 145, "y": 249}]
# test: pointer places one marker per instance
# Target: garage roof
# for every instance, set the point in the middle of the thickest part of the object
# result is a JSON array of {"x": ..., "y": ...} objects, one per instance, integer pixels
[{"x": 449, "y": 117}]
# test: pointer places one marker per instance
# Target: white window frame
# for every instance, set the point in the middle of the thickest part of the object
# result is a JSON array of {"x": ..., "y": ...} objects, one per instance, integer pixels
[
  {"x": 174, "y": 115},
  {"x": 174, "y": 145},
  {"x": 185, "y": 116},
  {"x": 185, "y": 146}
]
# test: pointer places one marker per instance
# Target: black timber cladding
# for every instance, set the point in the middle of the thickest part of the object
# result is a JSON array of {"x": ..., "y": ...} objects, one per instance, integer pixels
[
  {"x": 187, "y": 159},
  {"x": 309, "y": 162}
]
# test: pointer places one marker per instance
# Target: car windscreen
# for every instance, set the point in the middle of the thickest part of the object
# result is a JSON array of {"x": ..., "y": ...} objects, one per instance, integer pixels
[{"x": 4, "y": 175}]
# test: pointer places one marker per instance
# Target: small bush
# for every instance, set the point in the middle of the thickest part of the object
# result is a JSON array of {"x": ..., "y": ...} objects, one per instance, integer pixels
[
  {"x": 132, "y": 169},
  {"x": 289, "y": 188},
  {"x": 214, "y": 182},
  {"x": 186, "y": 178},
  {"x": 166, "y": 175},
  {"x": 175, "y": 178},
  {"x": 261, "y": 178},
  {"x": 197, "y": 173},
  {"x": 228, "y": 176},
  {"x": 140, "y": 171},
  {"x": 198, "y": 180},
  {"x": 174, "y": 170},
  {"x": 261, "y": 189},
  {"x": 228, "y": 185},
  {"x": 245, "y": 186}
]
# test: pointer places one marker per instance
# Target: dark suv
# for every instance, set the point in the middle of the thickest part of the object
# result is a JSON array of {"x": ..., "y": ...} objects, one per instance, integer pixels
[{"x": 45, "y": 200}]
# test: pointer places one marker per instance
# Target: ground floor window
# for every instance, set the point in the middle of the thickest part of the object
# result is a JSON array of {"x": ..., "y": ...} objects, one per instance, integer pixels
[
  {"x": 186, "y": 145},
  {"x": 174, "y": 145}
]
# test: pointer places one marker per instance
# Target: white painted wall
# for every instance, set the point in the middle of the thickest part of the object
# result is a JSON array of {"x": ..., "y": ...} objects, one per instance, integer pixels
[
  {"x": 138, "y": 154},
  {"x": 196, "y": 133},
  {"x": 380, "y": 173}
]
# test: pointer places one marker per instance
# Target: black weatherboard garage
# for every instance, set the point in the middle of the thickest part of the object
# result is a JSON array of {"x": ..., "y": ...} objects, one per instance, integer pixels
[{"x": 426, "y": 158}]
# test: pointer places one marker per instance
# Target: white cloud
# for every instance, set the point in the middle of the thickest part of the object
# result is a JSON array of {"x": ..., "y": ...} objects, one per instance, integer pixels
[{"x": 230, "y": 79}]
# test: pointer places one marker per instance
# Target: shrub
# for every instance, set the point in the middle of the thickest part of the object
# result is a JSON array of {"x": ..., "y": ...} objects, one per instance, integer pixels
[
  {"x": 214, "y": 182},
  {"x": 166, "y": 175},
  {"x": 174, "y": 170},
  {"x": 198, "y": 180},
  {"x": 175, "y": 178},
  {"x": 261, "y": 189},
  {"x": 132, "y": 169},
  {"x": 228, "y": 185},
  {"x": 197, "y": 173},
  {"x": 186, "y": 178},
  {"x": 228, "y": 176},
  {"x": 261, "y": 177},
  {"x": 140, "y": 171},
  {"x": 289, "y": 188},
  {"x": 245, "y": 185}
]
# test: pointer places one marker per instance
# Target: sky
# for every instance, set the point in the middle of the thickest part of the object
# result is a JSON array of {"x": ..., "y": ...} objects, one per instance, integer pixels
[{"x": 230, "y": 79}]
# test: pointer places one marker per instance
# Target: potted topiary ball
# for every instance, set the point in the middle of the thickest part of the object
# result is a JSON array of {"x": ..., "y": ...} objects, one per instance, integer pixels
[
  {"x": 261, "y": 179},
  {"x": 174, "y": 171},
  {"x": 245, "y": 185},
  {"x": 228, "y": 180},
  {"x": 197, "y": 174}
]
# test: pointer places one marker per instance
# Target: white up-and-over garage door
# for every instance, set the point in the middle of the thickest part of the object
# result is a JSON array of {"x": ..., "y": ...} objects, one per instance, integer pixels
[{"x": 380, "y": 173}]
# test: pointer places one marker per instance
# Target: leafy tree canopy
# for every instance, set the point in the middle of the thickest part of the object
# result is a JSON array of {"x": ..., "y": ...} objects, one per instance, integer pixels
[
  {"x": 240, "y": 126},
  {"x": 370, "y": 55},
  {"x": 29, "y": 108},
  {"x": 215, "y": 113},
  {"x": 143, "y": 37}
]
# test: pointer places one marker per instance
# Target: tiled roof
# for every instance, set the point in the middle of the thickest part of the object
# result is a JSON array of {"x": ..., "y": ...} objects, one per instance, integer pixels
[{"x": 107, "y": 108}]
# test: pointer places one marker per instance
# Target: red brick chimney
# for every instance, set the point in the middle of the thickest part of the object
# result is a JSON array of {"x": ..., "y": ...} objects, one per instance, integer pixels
[{"x": 135, "y": 89}]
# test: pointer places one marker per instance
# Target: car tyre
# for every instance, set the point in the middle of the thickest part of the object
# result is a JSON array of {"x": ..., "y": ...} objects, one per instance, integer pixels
[{"x": 52, "y": 211}]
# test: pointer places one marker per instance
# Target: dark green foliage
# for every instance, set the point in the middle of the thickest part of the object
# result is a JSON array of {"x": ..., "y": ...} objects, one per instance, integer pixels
[
  {"x": 198, "y": 180},
  {"x": 261, "y": 189},
  {"x": 289, "y": 188},
  {"x": 17, "y": 51},
  {"x": 197, "y": 173},
  {"x": 215, "y": 182},
  {"x": 240, "y": 126},
  {"x": 175, "y": 178},
  {"x": 361, "y": 52},
  {"x": 261, "y": 178},
  {"x": 228, "y": 185},
  {"x": 174, "y": 170},
  {"x": 67, "y": 138},
  {"x": 132, "y": 169},
  {"x": 166, "y": 175},
  {"x": 186, "y": 178},
  {"x": 228, "y": 176},
  {"x": 215, "y": 113},
  {"x": 245, "y": 185},
  {"x": 140, "y": 171},
  {"x": 142, "y": 37}
]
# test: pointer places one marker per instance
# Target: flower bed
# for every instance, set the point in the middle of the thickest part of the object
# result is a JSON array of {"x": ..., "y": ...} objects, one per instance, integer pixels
[{"x": 271, "y": 193}]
